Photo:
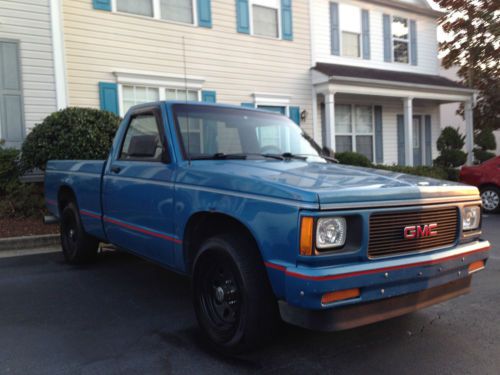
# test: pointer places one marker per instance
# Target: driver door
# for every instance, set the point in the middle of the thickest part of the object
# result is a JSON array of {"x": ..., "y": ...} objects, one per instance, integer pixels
[{"x": 138, "y": 190}]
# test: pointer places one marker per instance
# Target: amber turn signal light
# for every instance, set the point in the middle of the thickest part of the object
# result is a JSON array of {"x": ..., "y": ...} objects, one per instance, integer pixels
[
  {"x": 341, "y": 295},
  {"x": 306, "y": 236},
  {"x": 476, "y": 266}
]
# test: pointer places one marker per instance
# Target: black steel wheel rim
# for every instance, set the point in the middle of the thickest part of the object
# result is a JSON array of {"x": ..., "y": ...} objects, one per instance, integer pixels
[
  {"x": 220, "y": 297},
  {"x": 70, "y": 233}
]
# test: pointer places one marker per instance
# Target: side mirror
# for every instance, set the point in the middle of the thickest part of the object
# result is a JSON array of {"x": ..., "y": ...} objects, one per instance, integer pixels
[{"x": 143, "y": 146}]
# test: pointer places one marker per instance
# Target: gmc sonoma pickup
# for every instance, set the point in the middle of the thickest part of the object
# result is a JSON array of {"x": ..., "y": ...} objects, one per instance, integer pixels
[{"x": 245, "y": 203}]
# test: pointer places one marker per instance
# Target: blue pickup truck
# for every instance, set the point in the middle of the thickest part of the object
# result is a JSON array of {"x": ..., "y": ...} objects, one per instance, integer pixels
[{"x": 266, "y": 224}]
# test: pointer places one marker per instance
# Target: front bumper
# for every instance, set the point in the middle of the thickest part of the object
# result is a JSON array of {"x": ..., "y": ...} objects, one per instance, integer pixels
[{"x": 377, "y": 280}]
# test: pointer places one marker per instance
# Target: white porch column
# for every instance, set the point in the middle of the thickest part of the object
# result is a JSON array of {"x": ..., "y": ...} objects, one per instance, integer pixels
[
  {"x": 330, "y": 120},
  {"x": 408, "y": 120},
  {"x": 469, "y": 131}
]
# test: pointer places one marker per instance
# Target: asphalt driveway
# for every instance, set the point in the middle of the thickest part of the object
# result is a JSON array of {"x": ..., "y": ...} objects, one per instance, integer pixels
[{"x": 127, "y": 316}]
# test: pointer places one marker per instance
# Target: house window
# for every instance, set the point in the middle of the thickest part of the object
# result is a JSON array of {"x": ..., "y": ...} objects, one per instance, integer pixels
[
  {"x": 350, "y": 26},
  {"x": 171, "y": 10},
  {"x": 265, "y": 18},
  {"x": 354, "y": 129},
  {"x": 350, "y": 44},
  {"x": 132, "y": 95},
  {"x": 400, "y": 36}
]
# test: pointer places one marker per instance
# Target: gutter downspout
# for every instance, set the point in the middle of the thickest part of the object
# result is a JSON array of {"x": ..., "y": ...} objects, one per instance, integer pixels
[{"x": 58, "y": 53}]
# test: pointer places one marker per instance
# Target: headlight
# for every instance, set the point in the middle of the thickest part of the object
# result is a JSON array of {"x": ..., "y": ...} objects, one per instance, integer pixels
[
  {"x": 330, "y": 232},
  {"x": 471, "y": 217}
]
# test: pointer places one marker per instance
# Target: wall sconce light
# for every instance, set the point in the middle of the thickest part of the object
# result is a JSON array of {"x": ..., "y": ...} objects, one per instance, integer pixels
[{"x": 303, "y": 115}]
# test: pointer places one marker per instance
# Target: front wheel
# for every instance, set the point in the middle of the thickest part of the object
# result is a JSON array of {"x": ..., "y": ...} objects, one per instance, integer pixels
[
  {"x": 233, "y": 301},
  {"x": 490, "y": 196},
  {"x": 77, "y": 246}
]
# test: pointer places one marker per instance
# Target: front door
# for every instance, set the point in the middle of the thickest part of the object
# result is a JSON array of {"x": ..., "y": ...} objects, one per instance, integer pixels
[
  {"x": 417, "y": 140},
  {"x": 138, "y": 190}
]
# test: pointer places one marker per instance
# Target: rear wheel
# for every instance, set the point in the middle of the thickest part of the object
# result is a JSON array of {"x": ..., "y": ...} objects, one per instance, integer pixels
[
  {"x": 490, "y": 196},
  {"x": 77, "y": 246},
  {"x": 233, "y": 301}
]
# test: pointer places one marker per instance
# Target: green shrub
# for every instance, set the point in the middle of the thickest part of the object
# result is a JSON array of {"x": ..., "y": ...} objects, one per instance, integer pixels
[
  {"x": 450, "y": 144},
  {"x": 17, "y": 199},
  {"x": 73, "y": 133},
  {"x": 353, "y": 158},
  {"x": 485, "y": 140}
]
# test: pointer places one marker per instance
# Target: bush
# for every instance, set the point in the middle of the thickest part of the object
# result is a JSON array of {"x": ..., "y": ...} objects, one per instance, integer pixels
[
  {"x": 17, "y": 199},
  {"x": 73, "y": 133},
  {"x": 485, "y": 140},
  {"x": 450, "y": 144},
  {"x": 353, "y": 158}
]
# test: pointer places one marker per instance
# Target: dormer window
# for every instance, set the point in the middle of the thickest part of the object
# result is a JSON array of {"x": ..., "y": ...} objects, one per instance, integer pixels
[{"x": 400, "y": 39}]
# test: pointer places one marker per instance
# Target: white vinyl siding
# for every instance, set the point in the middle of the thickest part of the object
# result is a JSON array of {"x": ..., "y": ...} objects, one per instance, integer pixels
[
  {"x": 427, "y": 45},
  {"x": 233, "y": 65},
  {"x": 28, "y": 23}
]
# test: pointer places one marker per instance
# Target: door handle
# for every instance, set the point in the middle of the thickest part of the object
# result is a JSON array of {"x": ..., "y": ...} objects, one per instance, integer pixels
[{"x": 115, "y": 169}]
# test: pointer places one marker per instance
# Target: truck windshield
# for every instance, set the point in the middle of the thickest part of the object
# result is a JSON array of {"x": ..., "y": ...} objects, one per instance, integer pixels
[{"x": 209, "y": 132}]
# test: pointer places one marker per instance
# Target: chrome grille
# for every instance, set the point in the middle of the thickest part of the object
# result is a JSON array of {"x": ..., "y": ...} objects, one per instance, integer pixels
[{"x": 386, "y": 231}]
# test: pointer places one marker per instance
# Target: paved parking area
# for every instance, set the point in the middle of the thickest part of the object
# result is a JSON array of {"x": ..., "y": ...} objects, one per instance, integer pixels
[{"x": 127, "y": 316}]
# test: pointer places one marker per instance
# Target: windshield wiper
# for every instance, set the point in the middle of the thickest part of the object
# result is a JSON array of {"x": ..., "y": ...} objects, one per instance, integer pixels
[{"x": 305, "y": 156}]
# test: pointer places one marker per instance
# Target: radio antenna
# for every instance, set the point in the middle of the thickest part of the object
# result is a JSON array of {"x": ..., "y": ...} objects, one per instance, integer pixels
[{"x": 186, "y": 96}]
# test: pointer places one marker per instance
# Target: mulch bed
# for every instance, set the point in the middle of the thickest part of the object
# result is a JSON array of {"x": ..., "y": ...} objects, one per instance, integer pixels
[{"x": 25, "y": 227}]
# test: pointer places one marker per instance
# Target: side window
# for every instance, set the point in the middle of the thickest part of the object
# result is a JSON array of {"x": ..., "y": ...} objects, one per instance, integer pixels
[{"x": 142, "y": 141}]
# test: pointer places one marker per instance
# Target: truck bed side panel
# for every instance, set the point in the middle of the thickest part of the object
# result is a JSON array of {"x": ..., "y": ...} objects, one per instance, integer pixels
[{"x": 84, "y": 179}]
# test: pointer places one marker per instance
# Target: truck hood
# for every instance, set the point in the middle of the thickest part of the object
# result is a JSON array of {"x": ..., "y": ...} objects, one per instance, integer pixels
[{"x": 322, "y": 183}]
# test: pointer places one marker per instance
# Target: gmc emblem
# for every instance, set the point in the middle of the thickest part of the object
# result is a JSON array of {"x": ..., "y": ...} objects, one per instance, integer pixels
[{"x": 420, "y": 231}]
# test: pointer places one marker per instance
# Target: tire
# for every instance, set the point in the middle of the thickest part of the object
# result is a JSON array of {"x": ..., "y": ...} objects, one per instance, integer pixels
[
  {"x": 490, "y": 196},
  {"x": 77, "y": 246},
  {"x": 234, "y": 304}
]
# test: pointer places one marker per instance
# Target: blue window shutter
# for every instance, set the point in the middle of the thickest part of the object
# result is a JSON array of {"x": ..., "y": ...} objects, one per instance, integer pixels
[
  {"x": 365, "y": 28},
  {"x": 334, "y": 29},
  {"x": 387, "y": 38},
  {"x": 401, "y": 140},
  {"x": 242, "y": 16},
  {"x": 428, "y": 140},
  {"x": 413, "y": 42},
  {"x": 102, "y": 4},
  {"x": 379, "y": 139},
  {"x": 295, "y": 114},
  {"x": 208, "y": 96},
  {"x": 108, "y": 96},
  {"x": 204, "y": 13},
  {"x": 286, "y": 20},
  {"x": 248, "y": 105}
]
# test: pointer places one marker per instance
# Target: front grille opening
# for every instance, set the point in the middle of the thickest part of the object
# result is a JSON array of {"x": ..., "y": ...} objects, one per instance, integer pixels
[{"x": 386, "y": 231}]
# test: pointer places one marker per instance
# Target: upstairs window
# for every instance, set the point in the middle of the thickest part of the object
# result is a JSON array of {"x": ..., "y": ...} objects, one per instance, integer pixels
[
  {"x": 400, "y": 39},
  {"x": 350, "y": 44},
  {"x": 171, "y": 10},
  {"x": 265, "y": 18}
]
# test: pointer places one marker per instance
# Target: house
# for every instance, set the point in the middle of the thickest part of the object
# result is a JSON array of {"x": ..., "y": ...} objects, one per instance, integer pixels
[
  {"x": 253, "y": 53},
  {"x": 376, "y": 82},
  {"x": 449, "y": 111},
  {"x": 31, "y": 76}
]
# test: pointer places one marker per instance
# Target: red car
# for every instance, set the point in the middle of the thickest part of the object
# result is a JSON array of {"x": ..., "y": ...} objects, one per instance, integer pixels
[{"x": 486, "y": 177}]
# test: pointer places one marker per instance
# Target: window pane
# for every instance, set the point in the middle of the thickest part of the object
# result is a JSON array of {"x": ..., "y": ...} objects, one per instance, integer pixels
[
  {"x": 193, "y": 96},
  {"x": 343, "y": 119},
  {"x": 343, "y": 143},
  {"x": 400, "y": 28},
  {"x": 401, "y": 51},
  {"x": 141, "y": 126},
  {"x": 416, "y": 132},
  {"x": 153, "y": 95},
  {"x": 364, "y": 146},
  {"x": 128, "y": 93},
  {"x": 141, "y": 7},
  {"x": 350, "y": 44},
  {"x": 364, "y": 122},
  {"x": 170, "y": 94},
  {"x": 265, "y": 21},
  {"x": 177, "y": 10}
]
